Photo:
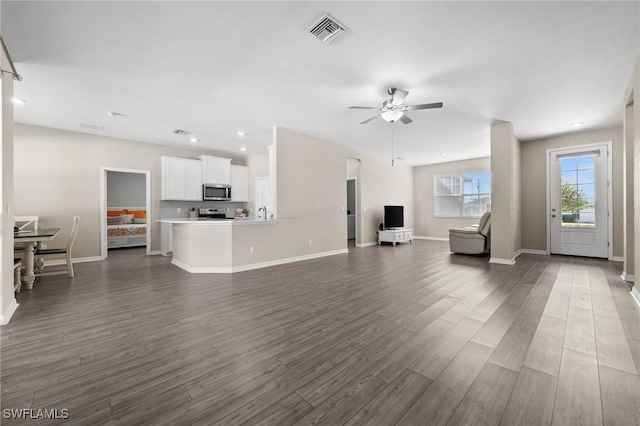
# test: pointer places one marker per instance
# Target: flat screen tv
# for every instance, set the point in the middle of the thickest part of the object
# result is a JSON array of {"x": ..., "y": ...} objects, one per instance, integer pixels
[{"x": 393, "y": 217}]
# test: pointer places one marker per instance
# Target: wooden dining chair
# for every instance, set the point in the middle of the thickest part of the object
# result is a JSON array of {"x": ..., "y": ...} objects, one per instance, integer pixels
[{"x": 66, "y": 251}]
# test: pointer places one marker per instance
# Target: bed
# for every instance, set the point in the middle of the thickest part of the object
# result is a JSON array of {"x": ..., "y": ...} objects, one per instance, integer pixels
[{"x": 126, "y": 227}]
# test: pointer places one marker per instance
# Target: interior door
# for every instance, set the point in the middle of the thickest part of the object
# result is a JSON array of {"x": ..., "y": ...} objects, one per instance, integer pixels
[{"x": 579, "y": 201}]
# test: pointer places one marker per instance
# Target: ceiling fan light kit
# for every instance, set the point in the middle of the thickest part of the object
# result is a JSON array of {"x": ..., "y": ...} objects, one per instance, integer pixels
[
  {"x": 392, "y": 109},
  {"x": 392, "y": 115}
]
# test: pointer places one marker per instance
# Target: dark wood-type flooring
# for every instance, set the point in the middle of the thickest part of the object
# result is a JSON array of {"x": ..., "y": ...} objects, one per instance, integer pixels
[{"x": 407, "y": 335}]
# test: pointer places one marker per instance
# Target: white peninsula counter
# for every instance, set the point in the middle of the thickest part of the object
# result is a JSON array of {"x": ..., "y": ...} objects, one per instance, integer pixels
[{"x": 222, "y": 245}]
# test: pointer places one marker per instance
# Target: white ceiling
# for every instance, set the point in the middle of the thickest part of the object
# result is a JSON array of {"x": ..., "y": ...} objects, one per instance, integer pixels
[{"x": 215, "y": 68}]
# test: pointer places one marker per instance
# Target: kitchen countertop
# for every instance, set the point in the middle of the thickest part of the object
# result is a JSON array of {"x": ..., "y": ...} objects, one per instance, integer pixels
[{"x": 208, "y": 221}]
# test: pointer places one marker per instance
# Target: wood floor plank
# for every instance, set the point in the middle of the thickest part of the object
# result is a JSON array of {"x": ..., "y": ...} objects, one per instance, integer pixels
[
  {"x": 431, "y": 363},
  {"x": 578, "y": 392},
  {"x": 441, "y": 399},
  {"x": 389, "y": 367},
  {"x": 494, "y": 329},
  {"x": 580, "y": 333},
  {"x": 514, "y": 346},
  {"x": 486, "y": 400},
  {"x": 284, "y": 412},
  {"x": 392, "y": 402},
  {"x": 612, "y": 346},
  {"x": 344, "y": 404},
  {"x": 532, "y": 399},
  {"x": 545, "y": 351},
  {"x": 620, "y": 395},
  {"x": 180, "y": 348}
]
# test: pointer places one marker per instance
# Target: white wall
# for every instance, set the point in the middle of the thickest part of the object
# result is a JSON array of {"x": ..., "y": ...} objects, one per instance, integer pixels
[
  {"x": 426, "y": 224},
  {"x": 63, "y": 169},
  {"x": 505, "y": 194},
  {"x": 7, "y": 296},
  {"x": 126, "y": 189},
  {"x": 534, "y": 184},
  {"x": 382, "y": 184}
]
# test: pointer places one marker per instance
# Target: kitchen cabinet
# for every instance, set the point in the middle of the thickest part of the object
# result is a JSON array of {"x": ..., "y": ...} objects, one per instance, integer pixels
[
  {"x": 215, "y": 169},
  {"x": 181, "y": 179},
  {"x": 239, "y": 183}
]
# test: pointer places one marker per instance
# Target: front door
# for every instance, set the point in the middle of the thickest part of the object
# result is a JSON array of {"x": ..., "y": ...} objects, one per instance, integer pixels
[{"x": 579, "y": 201}]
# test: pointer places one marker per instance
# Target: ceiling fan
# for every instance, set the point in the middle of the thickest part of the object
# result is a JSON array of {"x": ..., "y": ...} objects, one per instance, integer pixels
[{"x": 392, "y": 109}]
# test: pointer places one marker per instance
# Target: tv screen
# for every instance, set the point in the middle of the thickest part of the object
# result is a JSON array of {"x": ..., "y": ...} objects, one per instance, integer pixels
[{"x": 393, "y": 216}]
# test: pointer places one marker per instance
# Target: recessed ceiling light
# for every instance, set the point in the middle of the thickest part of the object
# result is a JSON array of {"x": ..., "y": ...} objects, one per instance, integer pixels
[
  {"x": 443, "y": 154},
  {"x": 194, "y": 140},
  {"x": 241, "y": 133},
  {"x": 578, "y": 124},
  {"x": 18, "y": 101},
  {"x": 243, "y": 149}
]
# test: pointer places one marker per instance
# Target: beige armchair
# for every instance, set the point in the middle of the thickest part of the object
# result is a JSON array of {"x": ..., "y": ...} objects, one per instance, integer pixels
[{"x": 472, "y": 239}]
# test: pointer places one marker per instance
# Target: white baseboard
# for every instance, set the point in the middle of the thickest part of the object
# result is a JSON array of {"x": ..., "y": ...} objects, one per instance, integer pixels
[
  {"x": 531, "y": 251},
  {"x": 74, "y": 260},
  {"x": 636, "y": 295},
  {"x": 617, "y": 259},
  {"x": 628, "y": 277},
  {"x": 369, "y": 244},
  {"x": 431, "y": 238},
  {"x": 6, "y": 315},
  {"x": 500, "y": 261},
  {"x": 156, "y": 253},
  {"x": 251, "y": 266}
]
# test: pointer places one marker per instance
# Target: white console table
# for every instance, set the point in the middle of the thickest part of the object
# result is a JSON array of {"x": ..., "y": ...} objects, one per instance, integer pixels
[{"x": 398, "y": 235}]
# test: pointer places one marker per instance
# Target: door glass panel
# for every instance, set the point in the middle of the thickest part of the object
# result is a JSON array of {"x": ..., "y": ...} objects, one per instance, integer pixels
[{"x": 578, "y": 191}]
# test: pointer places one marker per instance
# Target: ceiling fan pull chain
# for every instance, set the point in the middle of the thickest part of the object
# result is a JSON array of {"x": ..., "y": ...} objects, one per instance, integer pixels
[{"x": 392, "y": 157}]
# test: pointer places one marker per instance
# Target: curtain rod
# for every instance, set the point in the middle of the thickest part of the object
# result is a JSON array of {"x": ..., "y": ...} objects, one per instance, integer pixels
[{"x": 13, "y": 72}]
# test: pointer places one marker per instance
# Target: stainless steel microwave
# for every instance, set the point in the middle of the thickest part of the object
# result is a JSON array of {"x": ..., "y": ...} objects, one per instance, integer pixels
[{"x": 216, "y": 192}]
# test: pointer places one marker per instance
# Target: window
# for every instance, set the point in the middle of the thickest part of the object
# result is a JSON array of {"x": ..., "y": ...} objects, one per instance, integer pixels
[{"x": 464, "y": 195}]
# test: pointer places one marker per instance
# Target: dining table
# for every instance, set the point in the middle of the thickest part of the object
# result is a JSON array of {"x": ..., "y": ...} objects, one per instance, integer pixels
[{"x": 31, "y": 238}]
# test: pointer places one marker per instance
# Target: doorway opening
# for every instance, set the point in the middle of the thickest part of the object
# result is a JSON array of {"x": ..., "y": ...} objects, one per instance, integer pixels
[
  {"x": 125, "y": 209},
  {"x": 352, "y": 210},
  {"x": 579, "y": 201}
]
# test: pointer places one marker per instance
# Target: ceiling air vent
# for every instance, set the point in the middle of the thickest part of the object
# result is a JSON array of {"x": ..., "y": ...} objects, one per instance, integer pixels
[
  {"x": 327, "y": 29},
  {"x": 181, "y": 132},
  {"x": 92, "y": 127}
]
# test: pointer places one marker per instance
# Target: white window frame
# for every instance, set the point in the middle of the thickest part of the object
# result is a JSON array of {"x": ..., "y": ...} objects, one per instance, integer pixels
[{"x": 458, "y": 175}]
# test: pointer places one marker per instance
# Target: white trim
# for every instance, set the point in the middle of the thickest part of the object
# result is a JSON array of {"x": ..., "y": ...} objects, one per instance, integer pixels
[
  {"x": 103, "y": 206},
  {"x": 617, "y": 259},
  {"x": 251, "y": 266},
  {"x": 369, "y": 244},
  {"x": 156, "y": 252},
  {"x": 8, "y": 313},
  {"x": 356, "y": 213},
  {"x": 636, "y": 295},
  {"x": 628, "y": 277},
  {"x": 532, "y": 251},
  {"x": 577, "y": 149},
  {"x": 74, "y": 260},
  {"x": 415, "y": 237},
  {"x": 500, "y": 261}
]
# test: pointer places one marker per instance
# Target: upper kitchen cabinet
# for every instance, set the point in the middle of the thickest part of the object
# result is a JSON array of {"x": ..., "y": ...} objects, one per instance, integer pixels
[
  {"x": 215, "y": 169},
  {"x": 239, "y": 183},
  {"x": 181, "y": 179}
]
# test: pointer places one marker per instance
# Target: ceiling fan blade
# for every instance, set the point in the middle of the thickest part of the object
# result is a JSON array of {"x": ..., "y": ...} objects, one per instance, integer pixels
[
  {"x": 370, "y": 119},
  {"x": 405, "y": 119},
  {"x": 361, "y": 107},
  {"x": 398, "y": 96},
  {"x": 424, "y": 106}
]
